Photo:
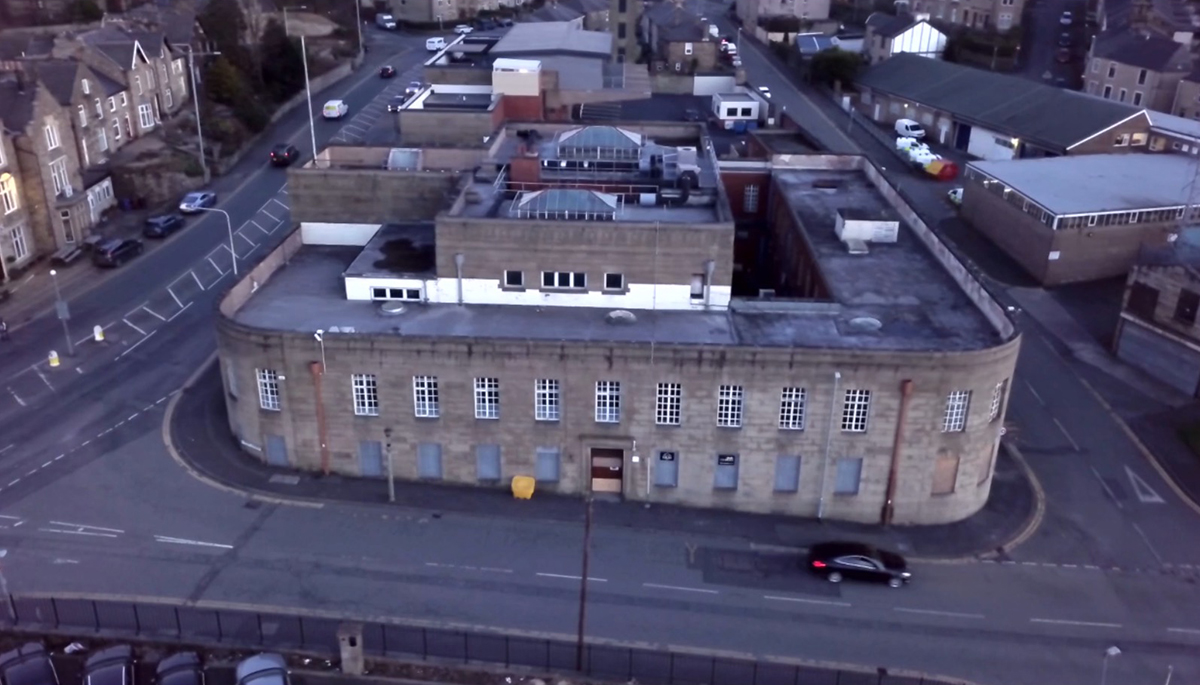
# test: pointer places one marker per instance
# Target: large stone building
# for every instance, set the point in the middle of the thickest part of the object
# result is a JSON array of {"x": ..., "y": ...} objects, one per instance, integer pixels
[
  {"x": 1141, "y": 68},
  {"x": 572, "y": 316}
]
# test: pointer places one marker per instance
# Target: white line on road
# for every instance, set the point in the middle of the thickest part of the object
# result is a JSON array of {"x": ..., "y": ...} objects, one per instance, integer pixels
[
  {"x": 153, "y": 313},
  {"x": 2, "y": 451},
  {"x": 13, "y": 482},
  {"x": 133, "y": 416},
  {"x": 11, "y": 518},
  {"x": 1035, "y": 393},
  {"x": 185, "y": 307},
  {"x": 1066, "y": 434},
  {"x": 782, "y": 549},
  {"x": 256, "y": 225},
  {"x": 32, "y": 472},
  {"x": 273, "y": 217},
  {"x": 1085, "y": 624},
  {"x": 565, "y": 577},
  {"x": 140, "y": 331},
  {"x": 1147, "y": 541},
  {"x": 1107, "y": 489},
  {"x": 681, "y": 588},
  {"x": 194, "y": 543},
  {"x": 804, "y": 600},
  {"x": 48, "y": 463},
  {"x": 78, "y": 532},
  {"x": 276, "y": 201},
  {"x": 1145, "y": 493},
  {"x": 65, "y": 561},
  {"x": 1186, "y": 631},
  {"x": 44, "y": 379},
  {"x": 214, "y": 264},
  {"x": 931, "y": 612},
  {"x": 63, "y": 455},
  {"x": 197, "y": 278},
  {"x": 82, "y": 525},
  {"x": 134, "y": 347},
  {"x": 16, "y": 397},
  {"x": 175, "y": 297}
]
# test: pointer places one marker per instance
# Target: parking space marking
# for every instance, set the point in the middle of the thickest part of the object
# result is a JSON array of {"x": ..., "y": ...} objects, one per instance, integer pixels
[
  {"x": 134, "y": 347},
  {"x": 273, "y": 217},
  {"x": 197, "y": 279},
  {"x": 185, "y": 308},
  {"x": 214, "y": 264},
  {"x": 243, "y": 237},
  {"x": 153, "y": 313},
  {"x": 254, "y": 223},
  {"x": 133, "y": 327},
  {"x": 43, "y": 377}
]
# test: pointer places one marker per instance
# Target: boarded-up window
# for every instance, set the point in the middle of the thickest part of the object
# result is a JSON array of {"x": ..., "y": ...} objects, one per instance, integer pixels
[
  {"x": 546, "y": 470},
  {"x": 726, "y": 475},
  {"x": 945, "y": 473},
  {"x": 1186, "y": 307},
  {"x": 849, "y": 473},
  {"x": 666, "y": 470},
  {"x": 787, "y": 473},
  {"x": 429, "y": 460},
  {"x": 487, "y": 462},
  {"x": 985, "y": 472},
  {"x": 1143, "y": 300}
]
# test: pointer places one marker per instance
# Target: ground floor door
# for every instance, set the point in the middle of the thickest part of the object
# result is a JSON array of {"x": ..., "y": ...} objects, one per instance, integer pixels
[
  {"x": 370, "y": 458},
  {"x": 607, "y": 468},
  {"x": 277, "y": 451},
  {"x": 962, "y": 137}
]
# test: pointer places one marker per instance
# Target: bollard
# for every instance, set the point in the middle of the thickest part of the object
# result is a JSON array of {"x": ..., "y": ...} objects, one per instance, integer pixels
[
  {"x": 97, "y": 333},
  {"x": 53, "y": 359}
]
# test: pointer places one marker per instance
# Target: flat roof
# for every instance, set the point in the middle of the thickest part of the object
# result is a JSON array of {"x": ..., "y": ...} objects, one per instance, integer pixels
[
  {"x": 474, "y": 101},
  {"x": 397, "y": 250},
  {"x": 1099, "y": 183}
]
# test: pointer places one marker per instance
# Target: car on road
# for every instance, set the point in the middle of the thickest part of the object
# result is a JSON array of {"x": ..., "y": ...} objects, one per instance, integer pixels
[
  {"x": 111, "y": 666},
  {"x": 765, "y": 92},
  {"x": 435, "y": 44},
  {"x": 194, "y": 202},
  {"x": 335, "y": 109},
  {"x": 487, "y": 25},
  {"x": 162, "y": 226},
  {"x": 262, "y": 669},
  {"x": 28, "y": 664},
  {"x": 1067, "y": 18},
  {"x": 413, "y": 88},
  {"x": 387, "y": 71},
  {"x": 1065, "y": 40},
  {"x": 184, "y": 668},
  {"x": 463, "y": 29},
  {"x": 284, "y": 154},
  {"x": 117, "y": 251},
  {"x": 385, "y": 21},
  {"x": 955, "y": 196},
  {"x": 1063, "y": 55},
  {"x": 836, "y": 561},
  {"x": 397, "y": 103}
]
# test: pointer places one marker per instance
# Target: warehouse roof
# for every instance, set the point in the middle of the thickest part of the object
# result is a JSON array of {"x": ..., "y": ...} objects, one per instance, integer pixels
[
  {"x": 550, "y": 37},
  {"x": 1051, "y": 117}
]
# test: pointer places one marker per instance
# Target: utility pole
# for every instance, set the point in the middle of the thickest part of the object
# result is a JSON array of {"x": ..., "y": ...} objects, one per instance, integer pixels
[
  {"x": 312, "y": 127},
  {"x": 387, "y": 454},
  {"x": 583, "y": 584},
  {"x": 196, "y": 101},
  {"x": 358, "y": 21}
]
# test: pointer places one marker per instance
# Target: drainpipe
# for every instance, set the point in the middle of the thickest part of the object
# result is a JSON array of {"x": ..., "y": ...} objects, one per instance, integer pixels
[
  {"x": 709, "y": 267},
  {"x": 458, "y": 265},
  {"x": 837, "y": 382},
  {"x": 889, "y": 505},
  {"x": 318, "y": 373}
]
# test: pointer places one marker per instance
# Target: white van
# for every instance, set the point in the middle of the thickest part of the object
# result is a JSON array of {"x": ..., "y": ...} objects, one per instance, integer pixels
[
  {"x": 907, "y": 128},
  {"x": 435, "y": 44},
  {"x": 335, "y": 109}
]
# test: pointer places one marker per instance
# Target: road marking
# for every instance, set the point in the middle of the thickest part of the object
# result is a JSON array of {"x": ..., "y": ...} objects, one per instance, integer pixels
[
  {"x": 44, "y": 379},
  {"x": 276, "y": 201},
  {"x": 197, "y": 278},
  {"x": 133, "y": 327},
  {"x": 214, "y": 264},
  {"x": 17, "y": 397},
  {"x": 273, "y": 217},
  {"x": 10, "y": 518},
  {"x": 32, "y": 472},
  {"x": 1186, "y": 631},
  {"x": 783, "y": 549},
  {"x": 1035, "y": 393},
  {"x": 803, "y": 600},
  {"x": 65, "y": 561},
  {"x": 78, "y": 532},
  {"x": 153, "y": 313},
  {"x": 48, "y": 463},
  {"x": 1065, "y": 433},
  {"x": 185, "y": 307},
  {"x": 681, "y": 588},
  {"x": 134, "y": 347},
  {"x": 175, "y": 297},
  {"x": 63, "y": 455},
  {"x": 13, "y": 482},
  {"x": 2, "y": 451},
  {"x": 566, "y": 577},
  {"x": 81, "y": 525},
  {"x": 1107, "y": 489},
  {"x": 1145, "y": 493},
  {"x": 194, "y": 543},
  {"x": 260, "y": 228},
  {"x": 931, "y": 612},
  {"x": 1085, "y": 624},
  {"x": 1147, "y": 541},
  {"x": 133, "y": 416}
]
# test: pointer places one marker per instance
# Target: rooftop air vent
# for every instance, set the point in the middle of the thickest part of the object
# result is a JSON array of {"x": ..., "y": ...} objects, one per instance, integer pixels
[
  {"x": 391, "y": 308},
  {"x": 854, "y": 246},
  {"x": 866, "y": 324},
  {"x": 621, "y": 317}
]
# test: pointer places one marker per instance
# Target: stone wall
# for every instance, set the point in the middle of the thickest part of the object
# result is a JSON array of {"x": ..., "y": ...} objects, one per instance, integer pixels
[
  {"x": 433, "y": 128},
  {"x": 368, "y": 195}
]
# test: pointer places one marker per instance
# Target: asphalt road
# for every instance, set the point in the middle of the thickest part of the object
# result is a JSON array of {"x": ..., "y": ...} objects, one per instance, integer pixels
[
  {"x": 1040, "y": 46},
  {"x": 91, "y": 502}
]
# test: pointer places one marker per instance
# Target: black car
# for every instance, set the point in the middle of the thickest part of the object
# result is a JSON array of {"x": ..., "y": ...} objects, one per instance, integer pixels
[
  {"x": 112, "y": 666},
  {"x": 1063, "y": 55},
  {"x": 162, "y": 226},
  {"x": 397, "y": 103},
  {"x": 838, "y": 560},
  {"x": 28, "y": 664},
  {"x": 1064, "y": 39},
  {"x": 284, "y": 154},
  {"x": 116, "y": 252},
  {"x": 184, "y": 668},
  {"x": 387, "y": 71}
]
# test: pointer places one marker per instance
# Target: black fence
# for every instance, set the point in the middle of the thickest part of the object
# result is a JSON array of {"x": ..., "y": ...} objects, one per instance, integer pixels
[{"x": 285, "y": 632}]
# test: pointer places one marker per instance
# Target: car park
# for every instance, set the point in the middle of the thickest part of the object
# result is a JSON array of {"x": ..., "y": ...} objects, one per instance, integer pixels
[
  {"x": 263, "y": 669},
  {"x": 335, "y": 109},
  {"x": 387, "y": 71},
  {"x": 463, "y": 29},
  {"x": 110, "y": 666},
  {"x": 194, "y": 202},
  {"x": 28, "y": 664},
  {"x": 162, "y": 226},
  {"x": 397, "y": 103},
  {"x": 284, "y": 154},
  {"x": 115, "y": 252},
  {"x": 184, "y": 668},
  {"x": 836, "y": 561}
]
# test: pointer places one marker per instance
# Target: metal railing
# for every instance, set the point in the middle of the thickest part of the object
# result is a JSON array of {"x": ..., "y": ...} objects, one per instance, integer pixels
[{"x": 249, "y": 629}]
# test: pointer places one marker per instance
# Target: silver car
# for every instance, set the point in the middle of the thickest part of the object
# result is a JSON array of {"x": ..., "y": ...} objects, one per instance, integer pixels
[{"x": 194, "y": 202}]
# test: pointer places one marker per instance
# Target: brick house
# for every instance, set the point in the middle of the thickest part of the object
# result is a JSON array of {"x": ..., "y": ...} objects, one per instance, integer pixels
[
  {"x": 678, "y": 38},
  {"x": 1141, "y": 68},
  {"x": 1159, "y": 327}
]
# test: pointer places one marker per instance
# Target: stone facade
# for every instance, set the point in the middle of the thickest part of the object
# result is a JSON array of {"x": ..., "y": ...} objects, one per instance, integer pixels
[
  {"x": 1187, "y": 97},
  {"x": 964, "y": 460},
  {"x": 1000, "y": 15},
  {"x": 751, "y": 11},
  {"x": 1139, "y": 86},
  {"x": 430, "y": 128},
  {"x": 624, "y": 17},
  {"x": 15, "y": 224}
]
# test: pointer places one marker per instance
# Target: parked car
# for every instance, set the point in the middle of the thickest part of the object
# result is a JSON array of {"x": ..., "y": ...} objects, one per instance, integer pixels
[
  {"x": 387, "y": 71},
  {"x": 385, "y": 21},
  {"x": 486, "y": 24},
  {"x": 1067, "y": 18},
  {"x": 115, "y": 252},
  {"x": 28, "y": 664},
  {"x": 907, "y": 128},
  {"x": 463, "y": 29},
  {"x": 838, "y": 560},
  {"x": 184, "y": 668},
  {"x": 194, "y": 202},
  {"x": 263, "y": 669},
  {"x": 111, "y": 666},
  {"x": 505, "y": 22},
  {"x": 1063, "y": 55},
  {"x": 413, "y": 88},
  {"x": 1065, "y": 40},
  {"x": 435, "y": 44},
  {"x": 765, "y": 92},
  {"x": 335, "y": 109},
  {"x": 162, "y": 226},
  {"x": 397, "y": 103},
  {"x": 284, "y": 154}
]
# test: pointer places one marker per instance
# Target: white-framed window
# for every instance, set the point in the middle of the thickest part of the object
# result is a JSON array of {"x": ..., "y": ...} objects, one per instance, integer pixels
[
  {"x": 729, "y": 406},
  {"x": 366, "y": 394},
  {"x": 20, "y": 246},
  {"x": 487, "y": 398},
  {"x": 101, "y": 139},
  {"x": 62, "y": 182},
  {"x": 608, "y": 401},
  {"x": 137, "y": 83},
  {"x": 8, "y": 194},
  {"x": 116, "y": 129},
  {"x": 954, "y": 419},
  {"x": 668, "y": 404},
  {"x": 145, "y": 117},
  {"x": 791, "y": 408},
  {"x": 124, "y": 99},
  {"x": 112, "y": 104},
  {"x": 268, "y": 389},
  {"x": 750, "y": 199},
  {"x": 613, "y": 281},
  {"x": 85, "y": 87},
  {"x": 997, "y": 400},
  {"x": 564, "y": 279},
  {"x": 170, "y": 98},
  {"x": 425, "y": 396},
  {"x": 83, "y": 116},
  {"x": 856, "y": 407},
  {"x": 52, "y": 141},
  {"x": 547, "y": 400}
]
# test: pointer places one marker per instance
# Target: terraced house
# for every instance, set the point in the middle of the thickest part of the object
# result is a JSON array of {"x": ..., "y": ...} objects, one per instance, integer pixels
[{"x": 14, "y": 207}]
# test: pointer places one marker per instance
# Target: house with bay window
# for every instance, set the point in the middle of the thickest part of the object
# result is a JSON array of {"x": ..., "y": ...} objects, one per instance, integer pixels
[{"x": 14, "y": 209}]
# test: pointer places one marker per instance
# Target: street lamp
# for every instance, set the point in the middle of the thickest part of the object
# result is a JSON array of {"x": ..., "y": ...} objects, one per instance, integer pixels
[
  {"x": 320, "y": 336},
  {"x": 387, "y": 454},
  {"x": 196, "y": 102},
  {"x": 1110, "y": 652},
  {"x": 285, "y": 11},
  {"x": 358, "y": 20},
  {"x": 64, "y": 313},
  {"x": 583, "y": 584},
  {"x": 312, "y": 127},
  {"x": 229, "y": 225}
]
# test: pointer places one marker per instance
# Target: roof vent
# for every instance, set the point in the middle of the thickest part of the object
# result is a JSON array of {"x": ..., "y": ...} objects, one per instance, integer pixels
[
  {"x": 856, "y": 246},
  {"x": 620, "y": 317},
  {"x": 391, "y": 308},
  {"x": 866, "y": 324}
]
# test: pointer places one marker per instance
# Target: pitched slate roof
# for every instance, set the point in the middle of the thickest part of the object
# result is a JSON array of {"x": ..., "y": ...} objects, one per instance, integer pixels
[
  {"x": 890, "y": 26},
  {"x": 1049, "y": 116},
  {"x": 556, "y": 12},
  {"x": 16, "y": 46},
  {"x": 676, "y": 22},
  {"x": 16, "y": 105},
  {"x": 59, "y": 77},
  {"x": 587, "y": 6},
  {"x": 1146, "y": 51},
  {"x": 119, "y": 46},
  {"x": 552, "y": 37}
]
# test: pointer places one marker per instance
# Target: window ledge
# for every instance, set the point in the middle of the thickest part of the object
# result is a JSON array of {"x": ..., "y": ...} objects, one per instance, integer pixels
[{"x": 513, "y": 288}]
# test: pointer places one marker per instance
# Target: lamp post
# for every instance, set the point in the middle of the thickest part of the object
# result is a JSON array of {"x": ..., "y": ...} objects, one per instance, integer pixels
[
  {"x": 320, "y": 336},
  {"x": 196, "y": 102},
  {"x": 1110, "y": 652},
  {"x": 583, "y": 584},
  {"x": 64, "y": 313},
  {"x": 228, "y": 225},
  {"x": 387, "y": 454},
  {"x": 358, "y": 22},
  {"x": 285, "y": 11},
  {"x": 12, "y": 609},
  {"x": 312, "y": 127}
]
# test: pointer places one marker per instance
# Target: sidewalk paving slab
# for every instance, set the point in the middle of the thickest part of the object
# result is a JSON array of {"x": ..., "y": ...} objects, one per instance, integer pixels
[{"x": 200, "y": 433}]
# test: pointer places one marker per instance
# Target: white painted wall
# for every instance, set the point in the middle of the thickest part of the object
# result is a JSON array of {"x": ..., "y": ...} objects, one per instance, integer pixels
[
  {"x": 359, "y": 288},
  {"x": 989, "y": 145},
  {"x": 711, "y": 85},
  {"x": 922, "y": 39},
  {"x": 314, "y": 233}
]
